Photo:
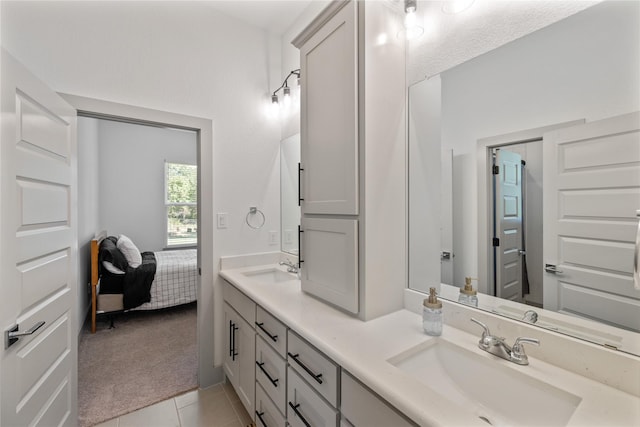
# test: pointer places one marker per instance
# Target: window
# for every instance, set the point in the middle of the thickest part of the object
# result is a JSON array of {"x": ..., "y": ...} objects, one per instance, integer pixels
[{"x": 181, "y": 184}]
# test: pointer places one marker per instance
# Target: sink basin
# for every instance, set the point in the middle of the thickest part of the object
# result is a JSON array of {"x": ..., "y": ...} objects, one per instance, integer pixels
[
  {"x": 495, "y": 393},
  {"x": 271, "y": 275}
]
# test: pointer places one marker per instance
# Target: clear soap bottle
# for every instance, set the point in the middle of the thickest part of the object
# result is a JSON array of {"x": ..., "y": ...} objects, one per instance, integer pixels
[
  {"x": 432, "y": 314},
  {"x": 468, "y": 295}
]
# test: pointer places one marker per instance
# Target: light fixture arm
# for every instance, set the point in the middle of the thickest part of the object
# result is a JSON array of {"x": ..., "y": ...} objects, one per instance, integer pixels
[{"x": 285, "y": 82}]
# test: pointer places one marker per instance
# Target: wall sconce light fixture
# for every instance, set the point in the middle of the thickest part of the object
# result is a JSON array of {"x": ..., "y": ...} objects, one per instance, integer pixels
[
  {"x": 286, "y": 89},
  {"x": 411, "y": 28}
]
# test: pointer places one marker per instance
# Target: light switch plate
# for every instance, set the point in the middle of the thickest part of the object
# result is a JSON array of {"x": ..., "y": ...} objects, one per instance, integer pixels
[{"x": 223, "y": 219}]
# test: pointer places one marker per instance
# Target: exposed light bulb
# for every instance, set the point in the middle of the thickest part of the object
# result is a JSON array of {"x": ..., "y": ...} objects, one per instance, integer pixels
[
  {"x": 409, "y": 6},
  {"x": 287, "y": 96}
]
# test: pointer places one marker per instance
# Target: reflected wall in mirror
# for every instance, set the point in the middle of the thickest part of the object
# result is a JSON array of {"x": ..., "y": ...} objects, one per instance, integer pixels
[
  {"x": 556, "y": 112},
  {"x": 289, "y": 209}
]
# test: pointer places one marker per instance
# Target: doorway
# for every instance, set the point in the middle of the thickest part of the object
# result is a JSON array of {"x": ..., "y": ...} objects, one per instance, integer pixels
[
  {"x": 517, "y": 221},
  {"x": 141, "y": 181}
]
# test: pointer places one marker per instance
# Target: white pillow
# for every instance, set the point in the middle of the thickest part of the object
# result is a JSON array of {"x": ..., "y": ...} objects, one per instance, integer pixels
[
  {"x": 129, "y": 250},
  {"x": 111, "y": 268}
]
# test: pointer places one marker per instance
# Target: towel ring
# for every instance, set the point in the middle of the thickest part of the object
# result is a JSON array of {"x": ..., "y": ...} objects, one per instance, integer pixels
[{"x": 254, "y": 211}]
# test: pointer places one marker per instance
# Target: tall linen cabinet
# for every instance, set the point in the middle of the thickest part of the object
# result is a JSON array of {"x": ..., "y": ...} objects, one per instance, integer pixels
[{"x": 353, "y": 157}]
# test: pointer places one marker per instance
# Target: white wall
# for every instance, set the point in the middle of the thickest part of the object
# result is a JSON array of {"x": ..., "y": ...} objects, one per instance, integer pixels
[
  {"x": 88, "y": 211},
  {"x": 131, "y": 177},
  {"x": 587, "y": 66}
]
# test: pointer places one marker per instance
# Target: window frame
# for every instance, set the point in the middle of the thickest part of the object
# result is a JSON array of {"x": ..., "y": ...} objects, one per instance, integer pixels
[{"x": 168, "y": 205}]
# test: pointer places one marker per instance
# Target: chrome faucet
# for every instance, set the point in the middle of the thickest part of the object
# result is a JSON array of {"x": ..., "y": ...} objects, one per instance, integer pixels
[
  {"x": 497, "y": 346},
  {"x": 291, "y": 267}
]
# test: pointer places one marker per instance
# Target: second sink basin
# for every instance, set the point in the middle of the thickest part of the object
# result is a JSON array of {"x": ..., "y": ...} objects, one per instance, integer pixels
[
  {"x": 492, "y": 391},
  {"x": 270, "y": 275}
]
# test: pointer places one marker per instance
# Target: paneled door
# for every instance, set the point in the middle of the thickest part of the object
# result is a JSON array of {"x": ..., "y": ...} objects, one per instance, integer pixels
[
  {"x": 38, "y": 235},
  {"x": 508, "y": 224},
  {"x": 591, "y": 194}
]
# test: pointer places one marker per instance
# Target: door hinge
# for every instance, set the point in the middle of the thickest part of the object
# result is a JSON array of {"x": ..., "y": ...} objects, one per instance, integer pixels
[
  {"x": 496, "y": 242},
  {"x": 496, "y": 170}
]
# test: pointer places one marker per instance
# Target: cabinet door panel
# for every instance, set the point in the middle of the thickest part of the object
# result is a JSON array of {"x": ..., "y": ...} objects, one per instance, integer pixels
[
  {"x": 319, "y": 366},
  {"x": 330, "y": 254},
  {"x": 245, "y": 343},
  {"x": 362, "y": 408},
  {"x": 329, "y": 117},
  {"x": 304, "y": 402},
  {"x": 267, "y": 415},
  {"x": 272, "y": 330},
  {"x": 230, "y": 361},
  {"x": 271, "y": 372}
]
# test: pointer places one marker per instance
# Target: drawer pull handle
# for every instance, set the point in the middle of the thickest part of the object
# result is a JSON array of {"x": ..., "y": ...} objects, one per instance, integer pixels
[
  {"x": 295, "y": 409},
  {"x": 260, "y": 325},
  {"x": 264, "y": 371},
  {"x": 317, "y": 377},
  {"x": 260, "y": 414}
]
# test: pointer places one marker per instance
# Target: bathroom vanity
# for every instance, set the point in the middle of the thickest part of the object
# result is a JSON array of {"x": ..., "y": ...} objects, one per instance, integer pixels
[{"x": 388, "y": 372}]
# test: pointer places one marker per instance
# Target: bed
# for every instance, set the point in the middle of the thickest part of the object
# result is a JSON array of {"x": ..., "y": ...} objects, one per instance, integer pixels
[{"x": 173, "y": 282}]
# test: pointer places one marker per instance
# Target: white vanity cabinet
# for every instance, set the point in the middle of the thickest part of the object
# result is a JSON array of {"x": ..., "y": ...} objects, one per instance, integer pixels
[
  {"x": 282, "y": 379},
  {"x": 352, "y": 157},
  {"x": 240, "y": 351}
]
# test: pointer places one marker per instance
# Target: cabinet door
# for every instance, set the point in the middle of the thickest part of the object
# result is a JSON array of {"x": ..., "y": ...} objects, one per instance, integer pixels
[
  {"x": 329, "y": 116},
  {"x": 230, "y": 359},
  {"x": 330, "y": 255},
  {"x": 362, "y": 408},
  {"x": 245, "y": 346}
]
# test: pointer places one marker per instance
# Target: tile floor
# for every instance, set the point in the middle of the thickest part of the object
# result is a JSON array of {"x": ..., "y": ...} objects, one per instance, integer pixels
[{"x": 216, "y": 406}]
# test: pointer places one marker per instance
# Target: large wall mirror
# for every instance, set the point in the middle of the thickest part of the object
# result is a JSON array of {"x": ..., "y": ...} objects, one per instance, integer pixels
[
  {"x": 289, "y": 208},
  {"x": 524, "y": 173}
]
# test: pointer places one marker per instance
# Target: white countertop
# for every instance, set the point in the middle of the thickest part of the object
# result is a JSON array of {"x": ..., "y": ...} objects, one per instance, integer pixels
[{"x": 363, "y": 348}]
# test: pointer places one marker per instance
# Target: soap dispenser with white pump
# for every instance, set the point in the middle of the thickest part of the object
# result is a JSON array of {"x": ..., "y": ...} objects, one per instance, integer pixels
[
  {"x": 432, "y": 314},
  {"x": 468, "y": 295}
]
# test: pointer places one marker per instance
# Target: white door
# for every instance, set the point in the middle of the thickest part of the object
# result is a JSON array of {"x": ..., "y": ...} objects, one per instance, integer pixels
[
  {"x": 591, "y": 194},
  {"x": 38, "y": 373},
  {"x": 508, "y": 224}
]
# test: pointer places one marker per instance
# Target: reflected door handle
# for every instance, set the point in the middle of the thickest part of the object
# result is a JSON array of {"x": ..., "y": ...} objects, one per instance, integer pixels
[
  {"x": 12, "y": 335},
  {"x": 551, "y": 268}
]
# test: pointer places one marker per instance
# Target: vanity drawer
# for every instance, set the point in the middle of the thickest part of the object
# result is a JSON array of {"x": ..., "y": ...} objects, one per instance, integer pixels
[
  {"x": 267, "y": 415},
  {"x": 313, "y": 366},
  {"x": 271, "y": 372},
  {"x": 240, "y": 302},
  {"x": 305, "y": 406},
  {"x": 272, "y": 330}
]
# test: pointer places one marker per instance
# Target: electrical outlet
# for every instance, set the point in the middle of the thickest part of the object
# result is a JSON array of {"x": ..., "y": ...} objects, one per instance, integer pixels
[
  {"x": 223, "y": 219},
  {"x": 273, "y": 237},
  {"x": 288, "y": 236}
]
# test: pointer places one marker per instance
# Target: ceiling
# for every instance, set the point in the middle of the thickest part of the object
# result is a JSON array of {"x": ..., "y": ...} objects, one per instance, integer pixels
[{"x": 275, "y": 16}]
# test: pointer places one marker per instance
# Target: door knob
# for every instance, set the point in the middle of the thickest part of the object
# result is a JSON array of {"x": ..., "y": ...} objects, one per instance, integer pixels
[
  {"x": 552, "y": 268},
  {"x": 12, "y": 335}
]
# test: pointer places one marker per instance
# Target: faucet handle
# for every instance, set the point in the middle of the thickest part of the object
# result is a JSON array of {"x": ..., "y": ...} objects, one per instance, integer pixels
[
  {"x": 486, "y": 335},
  {"x": 517, "y": 351}
]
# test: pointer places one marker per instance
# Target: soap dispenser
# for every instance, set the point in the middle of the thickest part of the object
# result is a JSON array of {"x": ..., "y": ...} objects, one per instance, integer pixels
[
  {"x": 432, "y": 314},
  {"x": 468, "y": 295}
]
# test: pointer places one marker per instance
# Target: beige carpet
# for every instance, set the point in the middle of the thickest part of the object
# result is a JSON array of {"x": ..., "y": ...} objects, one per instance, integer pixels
[{"x": 147, "y": 358}]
